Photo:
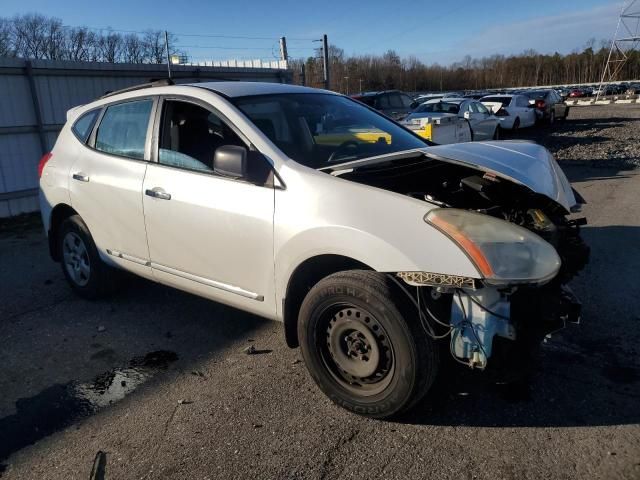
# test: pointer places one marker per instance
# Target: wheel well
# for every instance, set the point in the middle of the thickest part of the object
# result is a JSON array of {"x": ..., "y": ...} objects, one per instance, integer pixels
[
  {"x": 305, "y": 276},
  {"x": 60, "y": 213}
]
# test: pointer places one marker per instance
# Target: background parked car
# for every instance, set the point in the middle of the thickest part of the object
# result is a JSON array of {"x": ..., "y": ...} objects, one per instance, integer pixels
[
  {"x": 484, "y": 125},
  {"x": 513, "y": 111},
  {"x": 393, "y": 103},
  {"x": 428, "y": 96},
  {"x": 548, "y": 105},
  {"x": 577, "y": 93},
  {"x": 476, "y": 95},
  {"x": 633, "y": 89}
]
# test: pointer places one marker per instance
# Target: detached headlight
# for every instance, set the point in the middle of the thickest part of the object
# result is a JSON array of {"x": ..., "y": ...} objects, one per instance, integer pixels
[{"x": 502, "y": 252}]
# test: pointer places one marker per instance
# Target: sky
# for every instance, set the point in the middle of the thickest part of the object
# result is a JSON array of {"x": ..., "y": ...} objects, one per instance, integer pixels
[{"x": 433, "y": 31}]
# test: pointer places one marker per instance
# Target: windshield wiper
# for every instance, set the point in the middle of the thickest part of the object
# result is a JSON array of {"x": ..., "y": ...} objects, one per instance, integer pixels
[{"x": 401, "y": 155}]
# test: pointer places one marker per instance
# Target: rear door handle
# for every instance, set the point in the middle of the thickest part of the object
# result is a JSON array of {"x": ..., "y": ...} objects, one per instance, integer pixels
[
  {"x": 158, "y": 192},
  {"x": 81, "y": 177}
]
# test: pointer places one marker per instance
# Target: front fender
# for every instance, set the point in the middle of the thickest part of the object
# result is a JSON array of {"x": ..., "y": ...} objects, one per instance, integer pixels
[{"x": 378, "y": 228}]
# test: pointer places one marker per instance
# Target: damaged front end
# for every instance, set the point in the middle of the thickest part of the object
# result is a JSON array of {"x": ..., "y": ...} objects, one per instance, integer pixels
[
  {"x": 504, "y": 324},
  {"x": 506, "y": 205}
]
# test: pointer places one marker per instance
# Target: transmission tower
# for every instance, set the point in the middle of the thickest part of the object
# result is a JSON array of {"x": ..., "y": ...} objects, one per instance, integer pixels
[{"x": 626, "y": 39}]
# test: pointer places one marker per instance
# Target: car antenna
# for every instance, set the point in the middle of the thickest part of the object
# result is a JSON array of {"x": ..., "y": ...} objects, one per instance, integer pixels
[{"x": 166, "y": 44}]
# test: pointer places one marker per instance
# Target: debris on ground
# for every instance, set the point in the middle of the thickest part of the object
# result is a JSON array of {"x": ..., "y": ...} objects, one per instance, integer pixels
[{"x": 252, "y": 350}]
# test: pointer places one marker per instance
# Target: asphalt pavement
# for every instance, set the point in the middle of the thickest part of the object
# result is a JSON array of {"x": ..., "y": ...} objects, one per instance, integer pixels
[{"x": 156, "y": 383}]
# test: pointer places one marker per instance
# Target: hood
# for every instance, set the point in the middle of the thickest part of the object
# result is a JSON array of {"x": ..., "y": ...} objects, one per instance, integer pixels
[{"x": 522, "y": 162}]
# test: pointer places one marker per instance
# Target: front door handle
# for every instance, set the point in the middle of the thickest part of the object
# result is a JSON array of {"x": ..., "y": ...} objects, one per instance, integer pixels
[
  {"x": 158, "y": 192},
  {"x": 81, "y": 177}
]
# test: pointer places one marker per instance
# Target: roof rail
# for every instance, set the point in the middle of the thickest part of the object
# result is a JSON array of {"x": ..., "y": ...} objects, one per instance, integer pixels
[{"x": 154, "y": 83}]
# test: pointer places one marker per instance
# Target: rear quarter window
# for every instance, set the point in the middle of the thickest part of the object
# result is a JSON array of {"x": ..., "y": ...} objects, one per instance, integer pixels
[{"x": 83, "y": 126}]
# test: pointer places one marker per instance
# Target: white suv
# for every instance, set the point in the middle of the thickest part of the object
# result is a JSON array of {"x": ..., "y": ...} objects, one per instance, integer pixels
[{"x": 310, "y": 208}]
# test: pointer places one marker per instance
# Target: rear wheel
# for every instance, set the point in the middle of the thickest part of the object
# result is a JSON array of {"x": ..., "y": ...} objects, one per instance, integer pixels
[
  {"x": 360, "y": 346},
  {"x": 87, "y": 274},
  {"x": 552, "y": 117}
]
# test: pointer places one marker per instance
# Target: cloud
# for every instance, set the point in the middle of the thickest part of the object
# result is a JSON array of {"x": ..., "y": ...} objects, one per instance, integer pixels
[{"x": 546, "y": 34}]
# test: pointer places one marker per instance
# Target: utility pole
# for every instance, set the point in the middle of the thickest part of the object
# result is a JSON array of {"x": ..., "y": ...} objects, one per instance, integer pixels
[
  {"x": 325, "y": 61},
  {"x": 347, "y": 79},
  {"x": 360, "y": 80},
  {"x": 166, "y": 44},
  {"x": 303, "y": 75},
  {"x": 283, "y": 49}
]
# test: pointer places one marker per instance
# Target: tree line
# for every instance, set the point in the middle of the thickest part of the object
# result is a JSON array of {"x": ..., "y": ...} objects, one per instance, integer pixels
[
  {"x": 350, "y": 74},
  {"x": 39, "y": 37}
]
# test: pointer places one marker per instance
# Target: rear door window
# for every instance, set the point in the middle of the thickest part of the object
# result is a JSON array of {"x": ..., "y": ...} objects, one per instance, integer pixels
[{"x": 123, "y": 129}]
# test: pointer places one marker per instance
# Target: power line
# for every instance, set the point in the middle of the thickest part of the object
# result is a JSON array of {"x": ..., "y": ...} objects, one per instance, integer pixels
[
  {"x": 200, "y": 35},
  {"x": 216, "y": 47}
]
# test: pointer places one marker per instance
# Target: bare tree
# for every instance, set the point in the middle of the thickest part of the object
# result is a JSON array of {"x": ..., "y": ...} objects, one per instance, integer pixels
[
  {"x": 153, "y": 45},
  {"x": 133, "y": 49},
  {"x": 110, "y": 47},
  {"x": 30, "y": 35},
  {"x": 82, "y": 45},
  {"x": 6, "y": 43}
]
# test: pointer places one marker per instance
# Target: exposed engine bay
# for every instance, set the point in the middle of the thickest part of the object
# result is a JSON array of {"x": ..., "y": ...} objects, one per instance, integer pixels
[{"x": 486, "y": 321}]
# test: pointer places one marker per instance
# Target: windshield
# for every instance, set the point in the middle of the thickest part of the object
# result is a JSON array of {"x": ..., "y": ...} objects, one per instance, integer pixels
[
  {"x": 320, "y": 130},
  {"x": 440, "y": 107}
]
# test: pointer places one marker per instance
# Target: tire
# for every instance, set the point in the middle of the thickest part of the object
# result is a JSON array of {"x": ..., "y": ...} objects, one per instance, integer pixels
[
  {"x": 362, "y": 345},
  {"x": 516, "y": 124},
  {"x": 471, "y": 131},
  {"x": 497, "y": 135},
  {"x": 81, "y": 264},
  {"x": 552, "y": 117}
]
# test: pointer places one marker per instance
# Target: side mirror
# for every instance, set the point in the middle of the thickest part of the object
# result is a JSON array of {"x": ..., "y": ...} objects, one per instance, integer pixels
[
  {"x": 230, "y": 161},
  {"x": 414, "y": 105},
  {"x": 467, "y": 115}
]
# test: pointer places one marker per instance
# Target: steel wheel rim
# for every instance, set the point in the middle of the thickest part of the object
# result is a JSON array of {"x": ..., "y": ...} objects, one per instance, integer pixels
[
  {"x": 356, "y": 350},
  {"x": 76, "y": 259}
]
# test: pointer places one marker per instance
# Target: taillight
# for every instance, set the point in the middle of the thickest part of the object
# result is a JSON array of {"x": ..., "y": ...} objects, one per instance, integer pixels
[
  {"x": 540, "y": 104},
  {"x": 43, "y": 161},
  {"x": 502, "y": 113}
]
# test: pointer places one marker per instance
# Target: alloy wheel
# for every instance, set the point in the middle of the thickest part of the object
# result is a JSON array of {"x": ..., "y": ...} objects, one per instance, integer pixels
[{"x": 76, "y": 259}]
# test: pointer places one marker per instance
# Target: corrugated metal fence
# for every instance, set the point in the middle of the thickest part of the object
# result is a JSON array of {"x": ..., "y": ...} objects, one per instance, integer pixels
[{"x": 35, "y": 96}]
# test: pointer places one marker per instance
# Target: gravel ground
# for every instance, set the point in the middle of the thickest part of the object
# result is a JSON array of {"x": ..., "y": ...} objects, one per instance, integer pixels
[
  {"x": 155, "y": 383},
  {"x": 602, "y": 136}
]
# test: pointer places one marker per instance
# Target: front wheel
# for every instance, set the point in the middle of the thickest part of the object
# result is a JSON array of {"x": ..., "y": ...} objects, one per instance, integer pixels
[
  {"x": 362, "y": 346},
  {"x": 497, "y": 135}
]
